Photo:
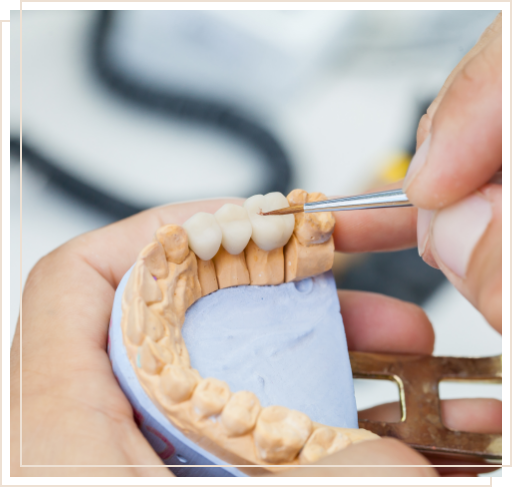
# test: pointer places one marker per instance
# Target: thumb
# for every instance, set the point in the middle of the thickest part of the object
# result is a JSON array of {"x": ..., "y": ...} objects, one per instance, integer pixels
[
  {"x": 464, "y": 240},
  {"x": 463, "y": 150}
]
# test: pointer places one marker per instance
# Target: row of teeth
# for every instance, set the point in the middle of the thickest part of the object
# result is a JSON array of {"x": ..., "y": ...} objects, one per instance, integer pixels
[
  {"x": 233, "y": 226},
  {"x": 165, "y": 282}
]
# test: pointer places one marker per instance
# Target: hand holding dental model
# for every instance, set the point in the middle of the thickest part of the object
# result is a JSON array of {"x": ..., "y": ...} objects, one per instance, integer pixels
[
  {"x": 74, "y": 412},
  {"x": 284, "y": 343}
]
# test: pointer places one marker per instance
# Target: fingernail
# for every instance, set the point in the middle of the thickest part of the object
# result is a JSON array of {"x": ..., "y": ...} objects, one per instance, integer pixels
[
  {"x": 457, "y": 229},
  {"x": 417, "y": 162},
  {"x": 424, "y": 219}
]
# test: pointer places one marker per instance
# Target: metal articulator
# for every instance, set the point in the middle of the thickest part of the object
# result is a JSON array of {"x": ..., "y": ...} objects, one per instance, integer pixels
[{"x": 421, "y": 427}]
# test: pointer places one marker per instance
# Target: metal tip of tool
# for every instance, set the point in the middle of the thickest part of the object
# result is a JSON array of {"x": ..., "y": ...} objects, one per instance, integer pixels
[{"x": 286, "y": 211}]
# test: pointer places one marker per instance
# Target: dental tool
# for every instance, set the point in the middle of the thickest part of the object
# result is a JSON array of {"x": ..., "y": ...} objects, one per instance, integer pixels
[{"x": 394, "y": 198}]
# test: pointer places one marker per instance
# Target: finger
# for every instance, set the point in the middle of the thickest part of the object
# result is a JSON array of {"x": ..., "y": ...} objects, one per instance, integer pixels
[
  {"x": 377, "y": 323},
  {"x": 15, "y": 413},
  {"x": 355, "y": 231},
  {"x": 72, "y": 289},
  {"x": 463, "y": 150},
  {"x": 493, "y": 31},
  {"x": 474, "y": 415},
  {"x": 457, "y": 474},
  {"x": 113, "y": 249},
  {"x": 465, "y": 241},
  {"x": 376, "y": 458},
  {"x": 470, "y": 415},
  {"x": 375, "y": 230},
  {"x": 100, "y": 258},
  {"x": 46, "y": 421}
]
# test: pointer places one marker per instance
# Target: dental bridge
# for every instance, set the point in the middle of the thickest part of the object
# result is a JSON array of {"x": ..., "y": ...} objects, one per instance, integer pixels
[{"x": 238, "y": 246}]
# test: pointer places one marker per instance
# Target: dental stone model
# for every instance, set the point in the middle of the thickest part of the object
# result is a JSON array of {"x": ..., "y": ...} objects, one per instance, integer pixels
[{"x": 239, "y": 247}]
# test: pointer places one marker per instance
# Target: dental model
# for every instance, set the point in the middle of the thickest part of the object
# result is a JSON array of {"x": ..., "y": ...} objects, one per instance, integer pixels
[{"x": 235, "y": 247}]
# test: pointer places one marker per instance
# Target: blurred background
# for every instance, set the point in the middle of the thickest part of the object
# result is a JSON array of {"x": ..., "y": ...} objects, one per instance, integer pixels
[{"x": 124, "y": 110}]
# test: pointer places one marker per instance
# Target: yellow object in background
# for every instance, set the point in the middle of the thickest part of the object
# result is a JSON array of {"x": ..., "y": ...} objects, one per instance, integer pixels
[{"x": 395, "y": 168}]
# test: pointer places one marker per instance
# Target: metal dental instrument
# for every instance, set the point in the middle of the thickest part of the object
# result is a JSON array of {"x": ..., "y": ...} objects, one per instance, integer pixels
[{"x": 394, "y": 198}]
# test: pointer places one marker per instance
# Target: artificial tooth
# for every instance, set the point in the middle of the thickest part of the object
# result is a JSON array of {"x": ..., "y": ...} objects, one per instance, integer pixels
[
  {"x": 210, "y": 396},
  {"x": 324, "y": 441},
  {"x": 280, "y": 433},
  {"x": 236, "y": 227},
  {"x": 240, "y": 414},
  {"x": 178, "y": 383},
  {"x": 204, "y": 235},
  {"x": 269, "y": 232}
]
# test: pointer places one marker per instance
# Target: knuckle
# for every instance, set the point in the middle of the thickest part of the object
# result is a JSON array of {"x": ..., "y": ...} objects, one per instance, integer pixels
[
  {"x": 422, "y": 320},
  {"x": 37, "y": 273},
  {"x": 44, "y": 266}
]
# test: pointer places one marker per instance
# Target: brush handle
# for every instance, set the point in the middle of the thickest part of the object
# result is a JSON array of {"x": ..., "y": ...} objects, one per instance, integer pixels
[{"x": 395, "y": 198}]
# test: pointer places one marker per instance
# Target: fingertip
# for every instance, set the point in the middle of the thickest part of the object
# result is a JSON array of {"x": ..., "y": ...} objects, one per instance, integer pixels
[
  {"x": 473, "y": 415},
  {"x": 377, "y": 323},
  {"x": 424, "y": 329}
]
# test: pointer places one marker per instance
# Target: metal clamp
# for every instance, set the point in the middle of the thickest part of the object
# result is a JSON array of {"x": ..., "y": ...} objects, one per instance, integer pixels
[{"x": 418, "y": 377}]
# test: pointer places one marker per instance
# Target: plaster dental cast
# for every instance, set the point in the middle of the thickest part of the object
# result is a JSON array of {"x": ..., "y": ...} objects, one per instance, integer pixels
[
  {"x": 209, "y": 253},
  {"x": 74, "y": 411}
]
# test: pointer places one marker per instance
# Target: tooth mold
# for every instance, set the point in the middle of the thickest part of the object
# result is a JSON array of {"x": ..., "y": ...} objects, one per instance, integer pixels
[{"x": 191, "y": 420}]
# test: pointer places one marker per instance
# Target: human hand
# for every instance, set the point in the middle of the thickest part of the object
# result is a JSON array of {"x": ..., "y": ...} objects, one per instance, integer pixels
[
  {"x": 376, "y": 323},
  {"x": 459, "y": 150},
  {"x": 458, "y": 227},
  {"x": 74, "y": 412}
]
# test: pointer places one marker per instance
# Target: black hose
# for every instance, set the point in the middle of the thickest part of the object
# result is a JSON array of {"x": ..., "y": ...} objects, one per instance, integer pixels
[
  {"x": 193, "y": 108},
  {"x": 173, "y": 104}
]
